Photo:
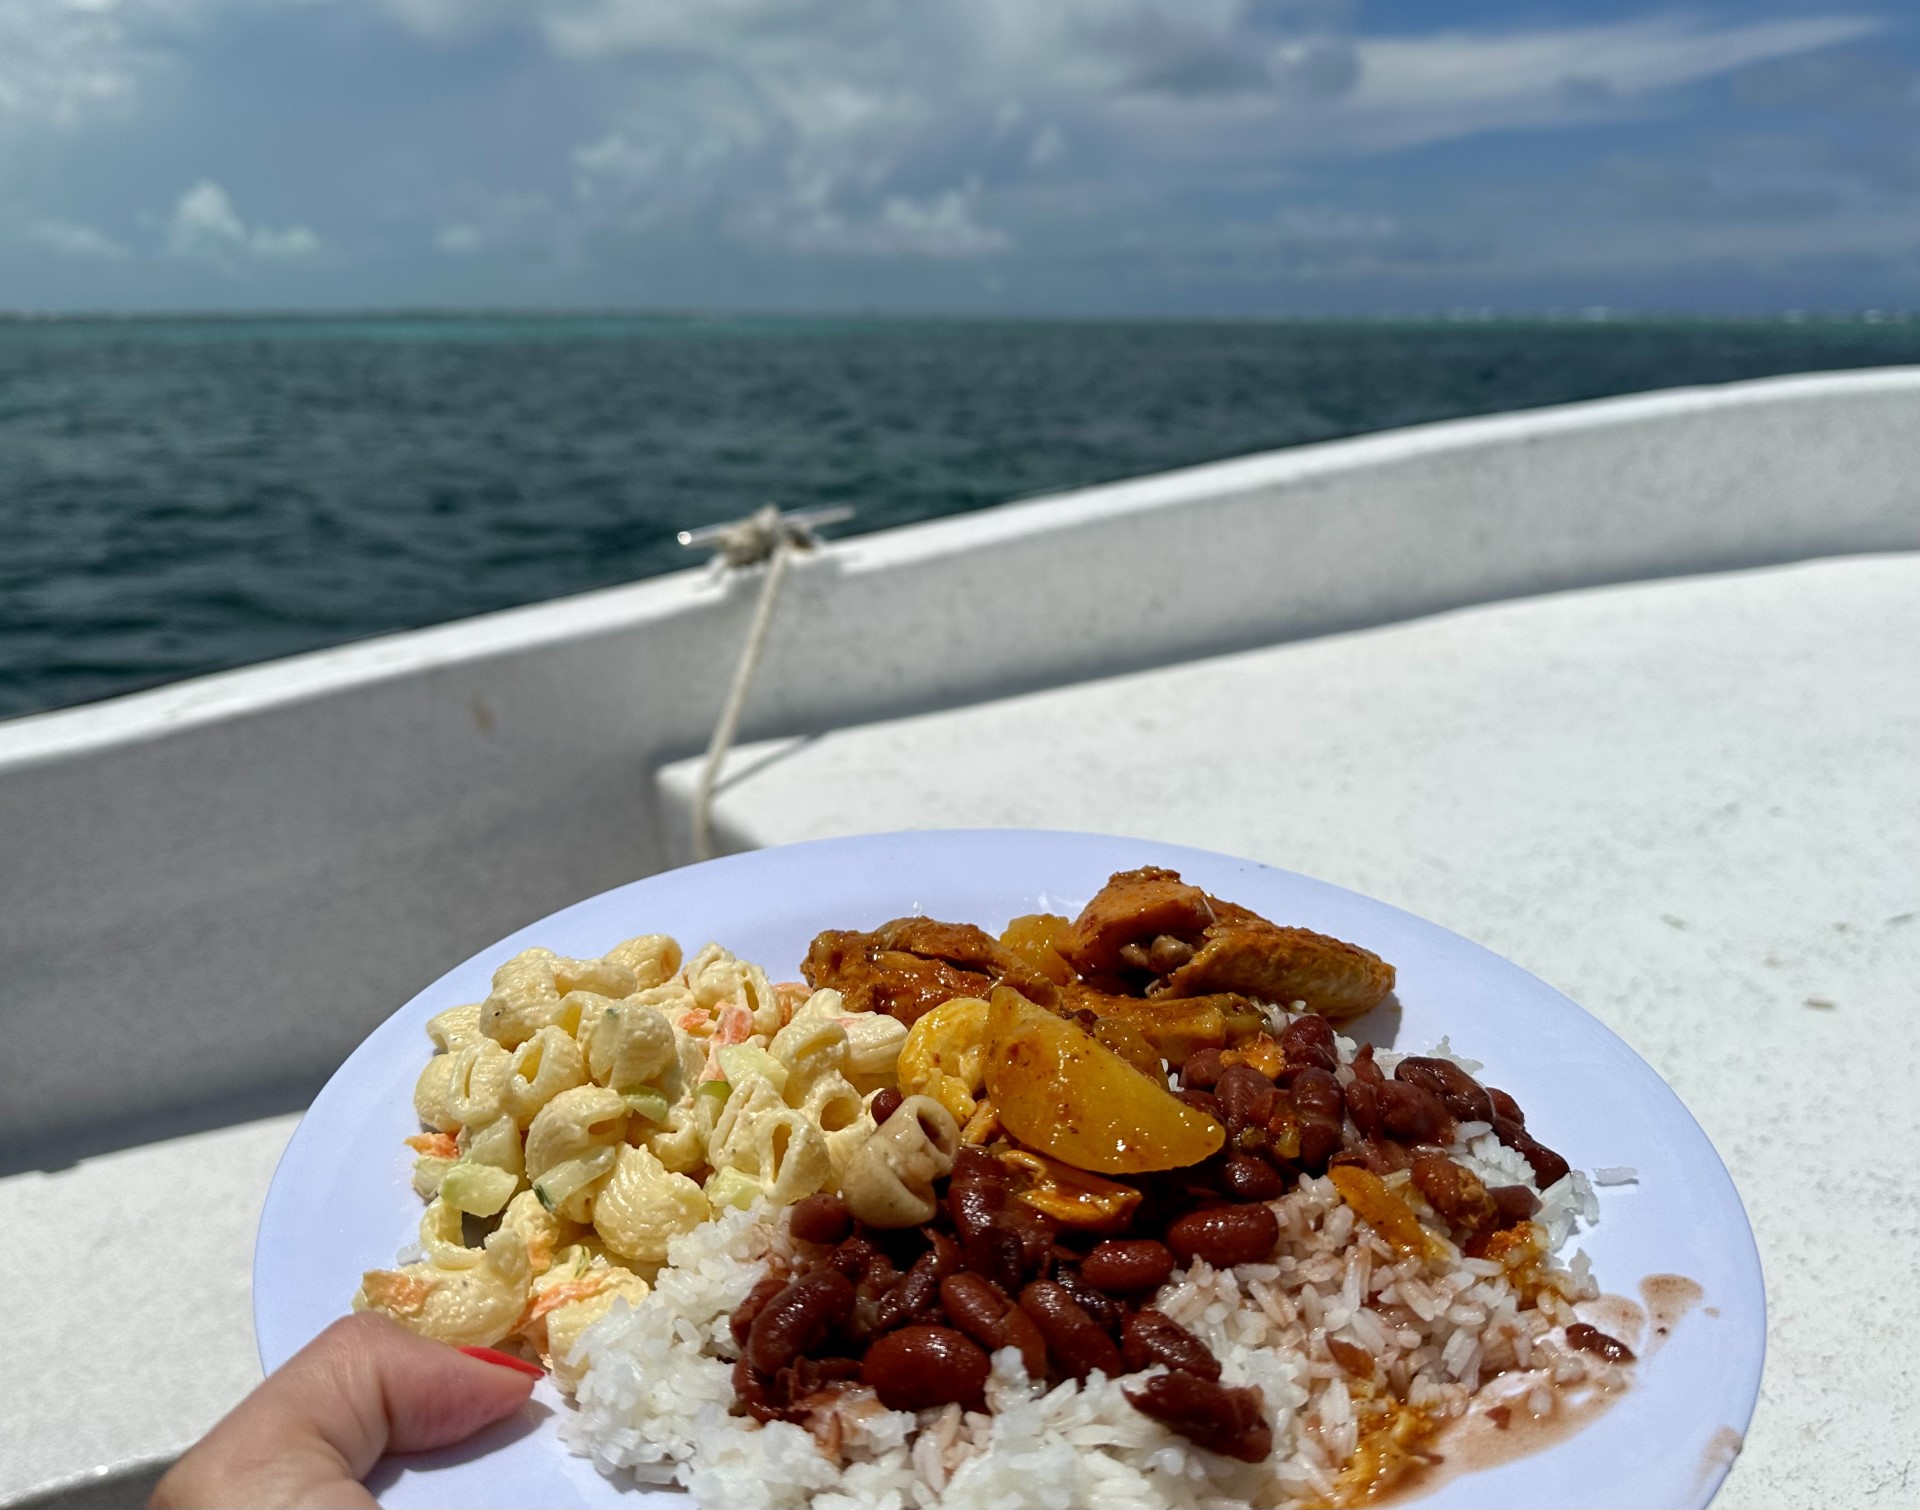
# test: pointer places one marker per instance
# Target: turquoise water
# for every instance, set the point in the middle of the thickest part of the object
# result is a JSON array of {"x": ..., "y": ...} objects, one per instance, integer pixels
[{"x": 180, "y": 496}]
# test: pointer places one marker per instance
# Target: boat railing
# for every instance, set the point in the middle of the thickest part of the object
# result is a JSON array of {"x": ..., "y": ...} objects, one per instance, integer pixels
[{"x": 242, "y": 874}]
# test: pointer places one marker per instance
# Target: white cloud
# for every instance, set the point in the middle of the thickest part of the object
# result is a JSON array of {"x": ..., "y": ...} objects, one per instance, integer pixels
[
  {"x": 1432, "y": 88},
  {"x": 204, "y": 224},
  {"x": 941, "y": 225},
  {"x": 843, "y": 125},
  {"x": 61, "y": 61},
  {"x": 71, "y": 239},
  {"x": 1111, "y": 136}
]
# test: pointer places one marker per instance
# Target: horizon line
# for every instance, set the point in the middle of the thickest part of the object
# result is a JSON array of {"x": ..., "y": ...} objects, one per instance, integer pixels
[{"x": 1451, "y": 314}]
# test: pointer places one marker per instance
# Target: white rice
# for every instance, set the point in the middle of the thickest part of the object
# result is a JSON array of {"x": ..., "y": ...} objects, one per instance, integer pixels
[{"x": 655, "y": 1399}]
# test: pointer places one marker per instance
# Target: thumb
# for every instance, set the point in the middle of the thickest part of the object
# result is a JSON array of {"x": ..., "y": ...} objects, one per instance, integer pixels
[
  {"x": 364, "y": 1387},
  {"x": 368, "y": 1387},
  {"x": 456, "y": 1394}
]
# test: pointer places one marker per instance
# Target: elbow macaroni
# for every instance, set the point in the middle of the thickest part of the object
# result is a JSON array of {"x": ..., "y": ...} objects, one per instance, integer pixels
[
  {"x": 632, "y": 1045},
  {"x": 541, "y": 1068},
  {"x": 644, "y": 1206},
  {"x": 592, "y": 1110}
]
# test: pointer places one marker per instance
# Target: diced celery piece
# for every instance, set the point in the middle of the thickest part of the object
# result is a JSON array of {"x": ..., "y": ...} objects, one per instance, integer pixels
[
  {"x": 733, "y": 1187},
  {"x": 427, "y": 1175},
  {"x": 645, "y": 1101},
  {"x": 564, "y": 1181},
  {"x": 742, "y": 1059},
  {"x": 477, "y": 1189},
  {"x": 498, "y": 1144}
]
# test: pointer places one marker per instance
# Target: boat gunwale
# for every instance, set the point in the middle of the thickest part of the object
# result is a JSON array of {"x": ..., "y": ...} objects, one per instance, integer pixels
[{"x": 195, "y": 702}]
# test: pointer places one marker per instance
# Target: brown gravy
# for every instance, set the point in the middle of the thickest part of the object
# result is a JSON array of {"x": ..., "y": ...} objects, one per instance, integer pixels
[
  {"x": 1718, "y": 1455},
  {"x": 1618, "y": 1317},
  {"x": 1669, "y": 1297},
  {"x": 1499, "y": 1429},
  {"x": 1499, "y": 1432}
]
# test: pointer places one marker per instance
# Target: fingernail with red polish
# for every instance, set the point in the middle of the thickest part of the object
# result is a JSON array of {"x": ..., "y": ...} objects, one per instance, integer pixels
[{"x": 505, "y": 1360}]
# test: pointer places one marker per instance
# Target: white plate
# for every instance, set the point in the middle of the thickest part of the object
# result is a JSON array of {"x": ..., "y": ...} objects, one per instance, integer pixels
[{"x": 341, "y": 1201}]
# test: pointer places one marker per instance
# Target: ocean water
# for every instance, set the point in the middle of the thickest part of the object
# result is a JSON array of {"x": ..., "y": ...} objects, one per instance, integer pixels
[{"x": 179, "y": 496}]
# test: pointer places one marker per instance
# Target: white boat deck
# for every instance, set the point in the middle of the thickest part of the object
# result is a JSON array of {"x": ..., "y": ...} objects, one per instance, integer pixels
[
  {"x": 1689, "y": 803},
  {"x": 1693, "y": 806}
]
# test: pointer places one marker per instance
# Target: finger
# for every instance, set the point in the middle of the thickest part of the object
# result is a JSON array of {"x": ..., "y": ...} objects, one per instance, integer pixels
[
  {"x": 364, "y": 1387},
  {"x": 367, "y": 1386}
]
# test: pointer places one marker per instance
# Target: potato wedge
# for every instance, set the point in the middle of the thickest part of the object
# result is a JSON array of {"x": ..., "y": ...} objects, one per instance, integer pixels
[{"x": 1063, "y": 1093}]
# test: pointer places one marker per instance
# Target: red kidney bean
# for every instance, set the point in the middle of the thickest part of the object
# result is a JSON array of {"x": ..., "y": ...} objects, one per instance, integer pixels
[
  {"x": 1318, "y": 1107},
  {"x": 1152, "y": 1337},
  {"x": 854, "y": 1256},
  {"x": 1505, "y": 1106},
  {"x": 798, "y": 1319},
  {"x": 1075, "y": 1341},
  {"x": 885, "y": 1103},
  {"x": 1000, "y": 1235},
  {"x": 755, "y": 1392},
  {"x": 1355, "y": 1359},
  {"x": 1363, "y": 1105},
  {"x": 919, "y": 1367},
  {"x": 1590, "y": 1339},
  {"x": 914, "y": 1295},
  {"x": 979, "y": 1185},
  {"x": 1547, "y": 1165},
  {"x": 1365, "y": 1069},
  {"x": 1514, "y": 1203},
  {"x": 1127, "y": 1267},
  {"x": 1225, "y": 1235},
  {"x": 1248, "y": 1095},
  {"x": 821, "y": 1218},
  {"x": 1205, "y": 1101},
  {"x": 1209, "y": 1414},
  {"x": 1101, "y": 1306},
  {"x": 751, "y": 1307},
  {"x": 869, "y": 1295},
  {"x": 809, "y": 1375},
  {"x": 1307, "y": 1042},
  {"x": 1244, "y": 1178},
  {"x": 1455, "y": 1192},
  {"x": 1458, "y": 1091},
  {"x": 1412, "y": 1114},
  {"x": 1202, "y": 1070},
  {"x": 987, "y": 1314}
]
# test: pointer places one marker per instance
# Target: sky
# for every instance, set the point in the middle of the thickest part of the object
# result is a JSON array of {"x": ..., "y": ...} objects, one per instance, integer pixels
[{"x": 1074, "y": 157}]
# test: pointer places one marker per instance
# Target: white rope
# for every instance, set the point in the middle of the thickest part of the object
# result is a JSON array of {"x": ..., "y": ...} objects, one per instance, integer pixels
[{"x": 736, "y": 702}]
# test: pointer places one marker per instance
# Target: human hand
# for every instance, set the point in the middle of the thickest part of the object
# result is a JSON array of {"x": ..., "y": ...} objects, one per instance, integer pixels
[{"x": 364, "y": 1387}]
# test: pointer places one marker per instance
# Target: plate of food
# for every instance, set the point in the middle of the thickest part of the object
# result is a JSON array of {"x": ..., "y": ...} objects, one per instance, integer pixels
[{"x": 975, "y": 1168}]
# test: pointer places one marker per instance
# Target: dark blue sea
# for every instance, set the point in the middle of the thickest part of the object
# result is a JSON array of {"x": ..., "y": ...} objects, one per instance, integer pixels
[{"x": 178, "y": 496}]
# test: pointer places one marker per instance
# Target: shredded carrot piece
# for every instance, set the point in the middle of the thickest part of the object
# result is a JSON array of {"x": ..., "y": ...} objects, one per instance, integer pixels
[
  {"x": 434, "y": 1145},
  {"x": 390, "y": 1290},
  {"x": 792, "y": 996},
  {"x": 556, "y": 1296}
]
